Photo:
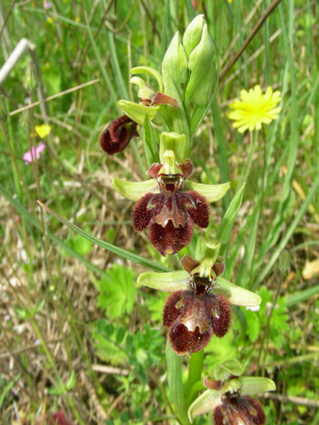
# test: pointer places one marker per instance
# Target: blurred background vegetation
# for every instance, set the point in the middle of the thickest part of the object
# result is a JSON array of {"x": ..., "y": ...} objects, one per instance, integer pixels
[{"x": 77, "y": 334}]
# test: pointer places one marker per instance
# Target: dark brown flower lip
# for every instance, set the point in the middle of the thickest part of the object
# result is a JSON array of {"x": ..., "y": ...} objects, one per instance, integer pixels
[
  {"x": 118, "y": 134},
  {"x": 237, "y": 409},
  {"x": 193, "y": 318}
]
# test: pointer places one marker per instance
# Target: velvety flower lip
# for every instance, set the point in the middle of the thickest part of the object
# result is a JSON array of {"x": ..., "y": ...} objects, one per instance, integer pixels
[
  {"x": 193, "y": 316},
  {"x": 118, "y": 135},
  {"x": 171, "y": 213},
  {"x": 229, "y": 396},
  {"x": 236, "y": 410},
  {"x": 254, "y": 109}
]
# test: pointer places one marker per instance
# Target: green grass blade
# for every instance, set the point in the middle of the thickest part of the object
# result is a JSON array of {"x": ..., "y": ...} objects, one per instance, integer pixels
[
  {"x": 270, "y": 264},
  {"x": 227, "y": 223},
  {"x": 222, "y": 151},
  {"x": 302, "y": 296},
  {"x": 116, "y": 250}
]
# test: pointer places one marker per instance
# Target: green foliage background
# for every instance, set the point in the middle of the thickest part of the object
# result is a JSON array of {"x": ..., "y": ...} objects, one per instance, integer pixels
[{"x": 76, "y": 331}]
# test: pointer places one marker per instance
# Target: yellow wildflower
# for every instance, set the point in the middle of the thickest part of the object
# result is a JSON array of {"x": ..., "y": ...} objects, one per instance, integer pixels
[
  {"x": 49, "y": 20},
  {"x": 230, "y": 1},
  {"x": 254, "y": 108},
  {"x": 43, "y": 130}
]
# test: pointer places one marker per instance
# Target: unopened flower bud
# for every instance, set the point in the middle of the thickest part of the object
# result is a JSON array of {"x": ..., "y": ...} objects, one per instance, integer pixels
[
  {"x": 200, "y": 64},
  {"x": 30, "y": 81},
  {"x": 193, "y": 34}
]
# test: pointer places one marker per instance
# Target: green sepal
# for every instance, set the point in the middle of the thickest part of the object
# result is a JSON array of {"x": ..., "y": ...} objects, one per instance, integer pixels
[
  {"x": 171, "y": 62},
  {"x": 231, "y": 367},
  {"x": 135, "y": 190},
  {"x": 211, "y": 192},
  {"x": 252, "y": 385},
  {"x": 235, "y": 294},
  {"x": 150, "y": 71},
  {"x": 175, "y": 142},
  {"x": 150, "y": 145},
  {"x": 136, "y": 111},
  {"x": 165, "y": 282},
  {"x": 204, "y": 403}
]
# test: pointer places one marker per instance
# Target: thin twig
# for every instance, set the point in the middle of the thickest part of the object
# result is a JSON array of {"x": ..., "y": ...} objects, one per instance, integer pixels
[
  {"x": 32, "y": 105},
  {"x": 268, "y": 11},
  {"x": 7, "y": 17},
  {"x": 297, "y": 400}
]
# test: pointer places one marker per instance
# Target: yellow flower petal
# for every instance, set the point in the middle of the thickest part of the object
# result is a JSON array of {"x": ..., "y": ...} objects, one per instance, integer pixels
[
  {"x": 43, "y": 130},
  {"x": 254, "y": 108}
]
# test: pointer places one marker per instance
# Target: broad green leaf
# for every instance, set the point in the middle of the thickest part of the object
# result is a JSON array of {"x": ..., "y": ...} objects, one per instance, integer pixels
[
  {"x": 165, "y": 282},
  {"x": 204, "y": 403},
  {"x": 113, "y": 248},
  {"x": 253, "y": 385},
  {"x": 235, "y": 294},
  {"x": 211, "y": 192},
  {"x": 135, "y": 190},
  {"x": 117, "y": 293}
]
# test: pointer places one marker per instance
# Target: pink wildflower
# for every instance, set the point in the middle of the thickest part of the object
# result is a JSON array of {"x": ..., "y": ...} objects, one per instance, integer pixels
[{"x": 30, "y": 156}]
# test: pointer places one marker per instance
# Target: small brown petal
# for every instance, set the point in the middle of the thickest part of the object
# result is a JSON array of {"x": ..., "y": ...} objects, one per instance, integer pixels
[
  {"x": 211, "y": 384},
  {"x": 187, "y": 168},
  {"x": 171, "y": 312},
  {"x": 141, "y": 214},
  {"x": 199, "y": 213},
  {"x": 154, "y": 170},
  {"x": 188, "y": 263},
  {"x": 164, "y": 99},
  {"x": 170, "y": 239}
]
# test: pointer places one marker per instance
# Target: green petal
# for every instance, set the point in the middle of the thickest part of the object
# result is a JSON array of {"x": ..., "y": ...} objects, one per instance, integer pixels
[
  {"x": 136, "y": 111},
  {"x": 212, "y": 193},
  {"x": 204, "y": 403},
  {"x": 165, "y": 282},
  {"x": 252, "y": 385},
  {"x": 150, "y": 71},
  {"x": 135, "y": 190},
  {"x": 228, "y": 368},
  {"x": 235, "y": 294}
]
